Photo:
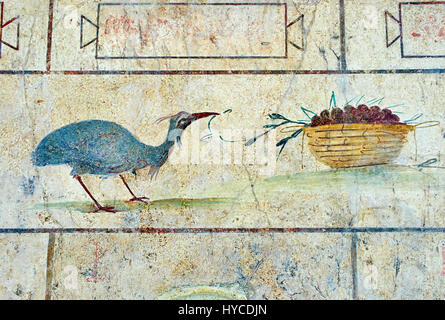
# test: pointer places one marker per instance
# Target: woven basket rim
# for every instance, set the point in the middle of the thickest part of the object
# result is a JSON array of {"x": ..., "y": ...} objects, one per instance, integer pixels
[{"x": 359, "y": 126}]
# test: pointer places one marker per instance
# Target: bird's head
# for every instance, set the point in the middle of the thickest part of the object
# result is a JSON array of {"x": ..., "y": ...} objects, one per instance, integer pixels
[
  {"x": 183, "y": 119},
  {"x": 180, "y": 121}
]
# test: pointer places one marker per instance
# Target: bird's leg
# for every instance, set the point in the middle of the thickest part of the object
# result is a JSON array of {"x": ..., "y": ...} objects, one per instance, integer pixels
[
  {"x": 134, "y": 199},
  {"x": 98, "y": 205}
]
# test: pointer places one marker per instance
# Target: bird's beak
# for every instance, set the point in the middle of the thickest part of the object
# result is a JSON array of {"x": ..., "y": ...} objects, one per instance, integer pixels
[{"x": 201, "y": 115}]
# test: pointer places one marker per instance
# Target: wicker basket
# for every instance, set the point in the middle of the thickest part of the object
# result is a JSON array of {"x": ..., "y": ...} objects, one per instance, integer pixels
[{"x": 356, "y": 144}]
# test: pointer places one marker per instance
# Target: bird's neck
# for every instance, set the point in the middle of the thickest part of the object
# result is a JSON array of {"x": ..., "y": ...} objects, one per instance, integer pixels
[
  {"x": 173, "y": 135},
  {"x": 157, "y": 156},
  {"x": 167, "y": 144}
]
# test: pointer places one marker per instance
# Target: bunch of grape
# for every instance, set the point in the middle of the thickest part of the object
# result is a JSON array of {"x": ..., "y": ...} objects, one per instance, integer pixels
[{"x": 360, "y": 114}]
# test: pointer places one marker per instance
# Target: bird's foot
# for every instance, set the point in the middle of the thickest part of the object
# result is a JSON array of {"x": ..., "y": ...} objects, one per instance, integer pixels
[
  {"x": 145, "y": 200},
  {"x": 106, "y": 209}
]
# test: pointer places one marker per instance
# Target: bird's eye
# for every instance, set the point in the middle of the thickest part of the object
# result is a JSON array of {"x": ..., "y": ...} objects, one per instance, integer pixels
[{"x": 181, "y": 122}]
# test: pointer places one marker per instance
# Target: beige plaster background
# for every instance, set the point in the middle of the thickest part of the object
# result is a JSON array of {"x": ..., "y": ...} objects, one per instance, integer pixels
[{"x": 374, "y": 232}]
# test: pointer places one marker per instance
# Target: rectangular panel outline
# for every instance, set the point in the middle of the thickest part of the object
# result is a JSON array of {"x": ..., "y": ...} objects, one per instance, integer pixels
[
  {"x": 48, "y": 70},
  {"x": 285, "y": 56},
  {"x": 401, "y": 28}
]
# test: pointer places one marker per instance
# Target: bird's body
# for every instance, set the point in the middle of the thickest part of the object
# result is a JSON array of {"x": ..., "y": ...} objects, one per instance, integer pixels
[
  {"x": 98, "y": 147},
  {"x": 106, "y": 148}
]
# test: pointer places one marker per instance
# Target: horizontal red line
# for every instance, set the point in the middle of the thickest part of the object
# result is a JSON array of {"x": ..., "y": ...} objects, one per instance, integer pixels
[
  {"x": 422, "y": 3},
  {"x": 193, "y": 4},
  {"x": 218, "y": 230},
  {"x": 221, "y": 72}
]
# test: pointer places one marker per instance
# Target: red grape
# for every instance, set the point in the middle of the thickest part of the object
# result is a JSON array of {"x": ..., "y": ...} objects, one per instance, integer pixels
[
  {"x": 361, "y": 114},
  {"x": 337, "y": 115}
]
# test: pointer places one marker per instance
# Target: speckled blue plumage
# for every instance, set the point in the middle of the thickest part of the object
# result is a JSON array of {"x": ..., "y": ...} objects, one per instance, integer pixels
[{"x": 98, "y": 147}]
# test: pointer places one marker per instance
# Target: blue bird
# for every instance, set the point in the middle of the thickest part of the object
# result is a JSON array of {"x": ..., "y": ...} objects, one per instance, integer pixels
[{"x": 107, "y": 149}]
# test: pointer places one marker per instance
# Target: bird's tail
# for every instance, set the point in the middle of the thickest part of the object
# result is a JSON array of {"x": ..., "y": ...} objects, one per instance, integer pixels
[
  {"x": 34, "y": 159},
  {"x": 38, "y": 159}
]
